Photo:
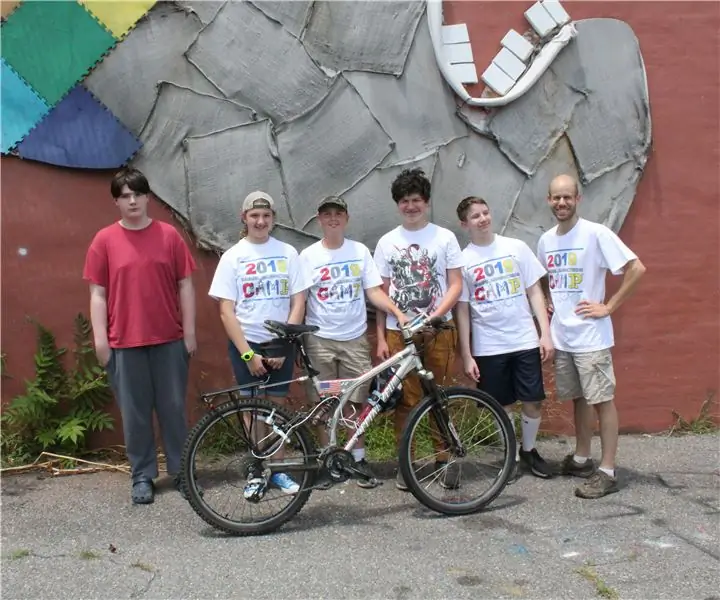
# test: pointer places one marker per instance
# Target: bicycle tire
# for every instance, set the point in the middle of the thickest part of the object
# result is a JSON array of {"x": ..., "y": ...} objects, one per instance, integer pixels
[
  {"x": 195, "y": 498},
  {"x": 405, "y": 460}
]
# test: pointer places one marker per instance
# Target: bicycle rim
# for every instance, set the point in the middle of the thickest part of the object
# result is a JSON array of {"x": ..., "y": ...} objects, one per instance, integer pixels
[
  {"x": 217, "y": 463},
  {"x": 458, "y": 485}
]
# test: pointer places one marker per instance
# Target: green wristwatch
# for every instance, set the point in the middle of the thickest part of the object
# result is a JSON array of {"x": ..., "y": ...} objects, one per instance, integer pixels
[{"x": 247, "y": 356}]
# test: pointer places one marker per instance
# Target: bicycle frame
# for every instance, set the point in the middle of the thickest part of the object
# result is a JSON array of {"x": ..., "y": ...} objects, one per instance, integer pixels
[{"x": 405, "y": 362}]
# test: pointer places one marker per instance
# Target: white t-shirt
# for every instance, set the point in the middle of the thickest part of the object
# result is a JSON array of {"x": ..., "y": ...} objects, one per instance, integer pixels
[
  {"x": 259, "y": 278},
  {"x": 577, "y": 264},
  {"x": 336, "y": 298},
  {"x": 416, "y": 263},
  {"x": 495, "y": 281}
]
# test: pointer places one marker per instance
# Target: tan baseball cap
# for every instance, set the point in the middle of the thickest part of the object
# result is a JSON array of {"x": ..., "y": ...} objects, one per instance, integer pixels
[
  {"x": 258, "y": 200},
  {"x": 335, "y": 201}
]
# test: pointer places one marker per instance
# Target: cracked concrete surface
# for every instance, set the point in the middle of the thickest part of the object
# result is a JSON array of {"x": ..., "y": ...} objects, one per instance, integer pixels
[
  {"x": 657, "y": 538},
  {"x": 350, "y": 98}
]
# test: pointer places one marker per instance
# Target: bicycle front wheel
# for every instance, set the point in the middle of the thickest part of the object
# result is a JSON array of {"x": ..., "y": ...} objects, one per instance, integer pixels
[
  {"x": 225, "y": 467},
  {"x": 450, "y": 482}
]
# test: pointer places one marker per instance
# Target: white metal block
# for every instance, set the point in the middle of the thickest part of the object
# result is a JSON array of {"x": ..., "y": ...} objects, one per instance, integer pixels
[
  {"x": 509, "y": 63},
  {"x": 557, "y": 12},
  {"x": 464, "y": 72},
  {"x": 458, "y": 53},
  {"x": 455, "y": 34},
  {"x": 497, "y": 79},
  {"x": 517, "y": 44},
  {"x": 540, "y": 19}
]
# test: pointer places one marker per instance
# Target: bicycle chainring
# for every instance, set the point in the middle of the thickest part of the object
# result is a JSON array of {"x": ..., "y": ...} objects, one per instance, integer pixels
[{"x": 336, "y": 463}]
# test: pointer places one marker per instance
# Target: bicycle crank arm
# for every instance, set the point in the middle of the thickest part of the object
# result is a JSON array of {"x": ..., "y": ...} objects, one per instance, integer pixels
[{"x": 356, "y": 473}]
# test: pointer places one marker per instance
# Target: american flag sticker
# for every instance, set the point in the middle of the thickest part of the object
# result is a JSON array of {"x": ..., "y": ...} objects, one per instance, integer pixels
[{"x": 334, "y": 386}]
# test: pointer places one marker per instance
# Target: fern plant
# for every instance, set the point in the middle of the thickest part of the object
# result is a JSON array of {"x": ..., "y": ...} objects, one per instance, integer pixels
[{"x": 61, "y": 405}]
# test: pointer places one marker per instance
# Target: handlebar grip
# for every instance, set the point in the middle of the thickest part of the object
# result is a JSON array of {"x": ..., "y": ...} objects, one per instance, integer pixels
[{"x": 436, "y": 322}]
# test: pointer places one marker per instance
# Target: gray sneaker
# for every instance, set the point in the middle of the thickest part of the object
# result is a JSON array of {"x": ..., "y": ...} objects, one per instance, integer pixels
[
  {"x": 598, "y": 485},
  {"x": 570, "y": 466}
]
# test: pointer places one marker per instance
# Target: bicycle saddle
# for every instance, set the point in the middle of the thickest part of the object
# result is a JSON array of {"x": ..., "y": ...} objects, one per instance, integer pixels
[{"x": 287, "y": 329}]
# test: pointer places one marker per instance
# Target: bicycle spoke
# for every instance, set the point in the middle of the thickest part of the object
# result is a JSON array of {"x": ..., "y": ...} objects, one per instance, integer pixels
[
  {"x": 225, "y": 454},
  {"x": 459, "y": 484}
]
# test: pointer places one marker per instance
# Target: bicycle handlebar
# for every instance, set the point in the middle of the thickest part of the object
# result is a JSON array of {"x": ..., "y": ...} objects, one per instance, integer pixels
[{"x": 421, "y": 321}]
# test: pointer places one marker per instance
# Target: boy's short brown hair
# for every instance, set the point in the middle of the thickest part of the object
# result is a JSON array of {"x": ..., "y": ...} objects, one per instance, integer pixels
[
  {"x": 134, "y": 179},
  {"x": 464, "y": 207}
]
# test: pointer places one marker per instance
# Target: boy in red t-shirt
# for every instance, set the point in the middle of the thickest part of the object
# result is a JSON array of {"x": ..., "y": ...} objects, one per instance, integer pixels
[{"x": 142, "y": 308}]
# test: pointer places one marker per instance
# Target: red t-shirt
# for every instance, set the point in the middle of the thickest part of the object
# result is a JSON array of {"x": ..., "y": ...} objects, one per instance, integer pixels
[{"x": 140, "y": 271}]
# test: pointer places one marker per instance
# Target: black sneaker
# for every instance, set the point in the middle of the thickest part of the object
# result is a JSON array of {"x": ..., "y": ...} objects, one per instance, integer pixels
[
  {"x": 371, "y": 481},
  {"x": 450, "y": 478},
  {"x": 535, "y": 463}
]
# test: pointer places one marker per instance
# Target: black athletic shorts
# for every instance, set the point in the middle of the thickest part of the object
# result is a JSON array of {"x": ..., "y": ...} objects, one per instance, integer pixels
[{"x": 513, "y": 376}]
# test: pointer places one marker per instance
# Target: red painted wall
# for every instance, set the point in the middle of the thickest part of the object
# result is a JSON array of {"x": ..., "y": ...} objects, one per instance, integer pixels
[{"x": 668, "y": 335}]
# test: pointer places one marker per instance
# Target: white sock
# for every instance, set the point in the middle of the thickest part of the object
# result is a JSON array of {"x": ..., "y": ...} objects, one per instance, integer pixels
[
  {"x": 610, "y": 472},
  {"x": 580, "y": 459},
  {"x": 511, "y": 416},
  {"x": 530, "y": 429},
  {"x": 358, "y": 454}
]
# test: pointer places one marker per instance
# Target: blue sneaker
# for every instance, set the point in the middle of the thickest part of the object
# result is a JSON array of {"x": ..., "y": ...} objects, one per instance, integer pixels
[{"x": 285, "y": 483}]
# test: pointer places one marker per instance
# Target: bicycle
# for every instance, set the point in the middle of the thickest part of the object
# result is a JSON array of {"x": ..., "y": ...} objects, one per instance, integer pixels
[{"x": 269, "y": 430}]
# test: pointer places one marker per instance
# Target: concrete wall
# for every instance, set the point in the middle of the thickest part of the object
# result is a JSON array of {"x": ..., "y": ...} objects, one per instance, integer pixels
[{"x": 668, "y": 335}]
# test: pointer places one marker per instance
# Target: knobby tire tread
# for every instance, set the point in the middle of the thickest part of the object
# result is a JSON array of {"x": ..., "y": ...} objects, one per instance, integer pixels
[
  {"x": 196, "y": 501},
  {"x": 405, "y": 446}
]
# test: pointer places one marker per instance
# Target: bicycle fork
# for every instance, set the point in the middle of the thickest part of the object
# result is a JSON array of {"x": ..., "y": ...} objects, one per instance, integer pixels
[{"x": 441, "y": 416}]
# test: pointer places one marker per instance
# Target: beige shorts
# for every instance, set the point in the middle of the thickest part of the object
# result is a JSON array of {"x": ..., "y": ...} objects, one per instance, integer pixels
[
  {"x": 340, "y": 360},
  {"x": 588, "y": 375}
]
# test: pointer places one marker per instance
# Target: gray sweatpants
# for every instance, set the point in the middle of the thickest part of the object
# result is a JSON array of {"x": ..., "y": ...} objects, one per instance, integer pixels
[{"x": 146, "y": 379}]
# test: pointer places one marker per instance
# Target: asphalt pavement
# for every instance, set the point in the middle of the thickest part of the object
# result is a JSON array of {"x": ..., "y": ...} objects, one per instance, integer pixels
[{"x": 79, "y": 537}]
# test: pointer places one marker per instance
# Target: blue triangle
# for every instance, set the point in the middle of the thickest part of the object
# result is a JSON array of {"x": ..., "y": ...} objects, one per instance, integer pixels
[{"x": 82, "y": 133}]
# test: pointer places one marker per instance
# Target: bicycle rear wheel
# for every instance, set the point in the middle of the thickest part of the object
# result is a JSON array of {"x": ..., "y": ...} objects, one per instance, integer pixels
[
  {"x": 463, "y": 484},
  {"x": 220, "y": 459}
]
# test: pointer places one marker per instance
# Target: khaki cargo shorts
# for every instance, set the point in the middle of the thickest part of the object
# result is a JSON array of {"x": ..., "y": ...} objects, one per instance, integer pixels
[
  {"x": 588, "y": 375},
  {"x": 340, "y": 360}
]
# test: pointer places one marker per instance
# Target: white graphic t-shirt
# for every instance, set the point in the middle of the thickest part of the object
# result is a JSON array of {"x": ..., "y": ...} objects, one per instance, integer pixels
[
  {"x": 577, "y": 264},
  {"x": 416, "y": 263},
  {"x": 495, "y": 281},
  {"x": 336, "y": 298},
  {"x": 259, "y": 278}
]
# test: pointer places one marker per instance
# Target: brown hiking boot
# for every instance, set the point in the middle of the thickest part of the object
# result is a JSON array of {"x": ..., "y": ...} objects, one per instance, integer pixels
[
  {"x": 570, "y": 467},
  {"x": 599, "y": 485}
]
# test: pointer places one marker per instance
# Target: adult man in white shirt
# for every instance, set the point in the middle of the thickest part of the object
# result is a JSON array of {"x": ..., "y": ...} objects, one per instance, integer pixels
[
  {"x": 500, "y": 274},
  {"x": 577, "y": 254},
  {"x": 420, "y": 266},
  {"x": 343, "y": 273}
]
